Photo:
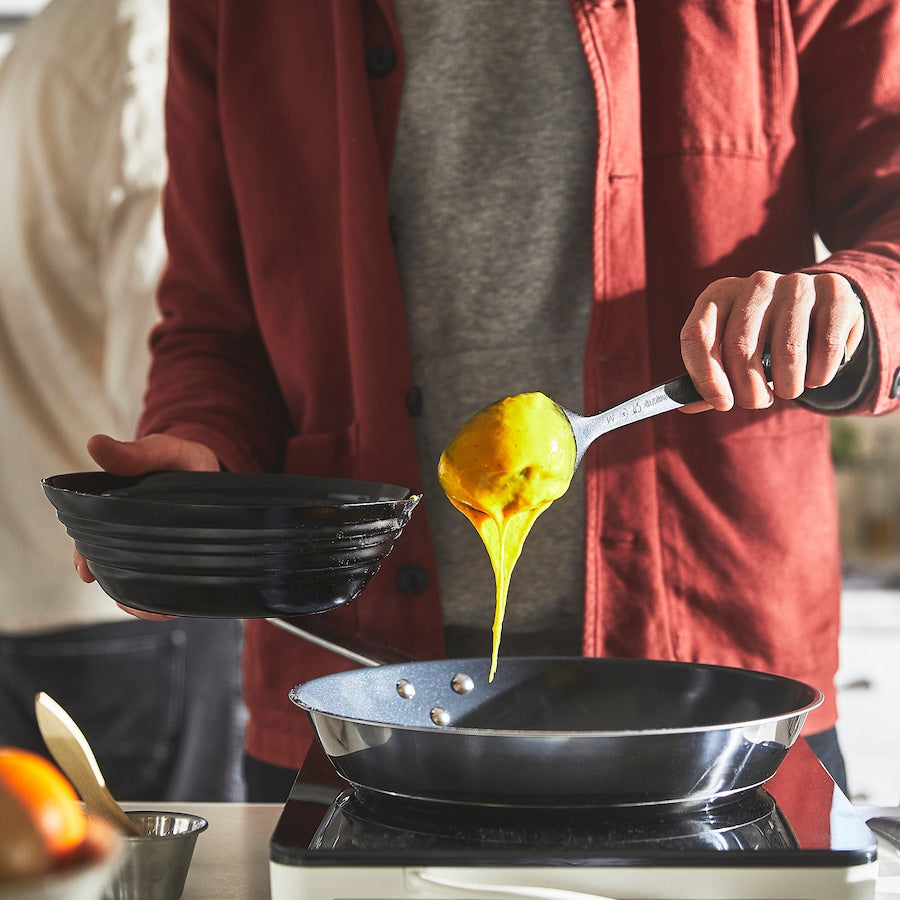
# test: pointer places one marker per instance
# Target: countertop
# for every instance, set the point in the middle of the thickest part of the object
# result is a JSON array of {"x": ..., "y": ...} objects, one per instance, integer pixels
[{"x": 231, "y": 859}]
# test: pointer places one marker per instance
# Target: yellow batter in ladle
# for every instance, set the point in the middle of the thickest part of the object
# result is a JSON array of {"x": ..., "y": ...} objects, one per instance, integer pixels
[{"x": 504, "y": 467}]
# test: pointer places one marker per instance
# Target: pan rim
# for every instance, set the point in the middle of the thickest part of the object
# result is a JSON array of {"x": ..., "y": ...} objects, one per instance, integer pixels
[{"x": 594, "y": 734}]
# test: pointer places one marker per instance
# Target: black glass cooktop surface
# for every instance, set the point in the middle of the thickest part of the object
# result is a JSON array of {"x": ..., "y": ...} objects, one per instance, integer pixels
[{"x": 799, "y": 818}]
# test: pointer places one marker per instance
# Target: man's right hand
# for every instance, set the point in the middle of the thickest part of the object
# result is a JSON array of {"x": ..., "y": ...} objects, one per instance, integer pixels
[{"x": 152, "y": 453}]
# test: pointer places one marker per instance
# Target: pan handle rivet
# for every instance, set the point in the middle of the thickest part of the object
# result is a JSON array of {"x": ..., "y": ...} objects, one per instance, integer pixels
[
  {"x": 462, "y": 684},
  {"x": 406, "y": 689},
  {"x": 440, "y": 716}
]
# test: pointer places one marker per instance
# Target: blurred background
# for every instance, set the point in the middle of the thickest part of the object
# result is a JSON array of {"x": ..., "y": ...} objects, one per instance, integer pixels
[{"x": 12, "y": 12}]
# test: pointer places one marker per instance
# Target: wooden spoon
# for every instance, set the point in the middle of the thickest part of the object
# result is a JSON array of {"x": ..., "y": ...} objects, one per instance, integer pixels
[{"x": 73, "y": 754}]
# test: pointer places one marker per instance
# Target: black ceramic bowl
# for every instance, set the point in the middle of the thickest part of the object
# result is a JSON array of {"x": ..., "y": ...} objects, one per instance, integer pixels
[{"x": 219, "y": 544}]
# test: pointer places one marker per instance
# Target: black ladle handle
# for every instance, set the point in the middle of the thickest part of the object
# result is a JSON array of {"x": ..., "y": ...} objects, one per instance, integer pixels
[{"x": 682, "y": 389}]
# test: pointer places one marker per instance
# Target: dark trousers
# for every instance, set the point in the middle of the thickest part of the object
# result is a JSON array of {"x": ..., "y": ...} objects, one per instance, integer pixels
[{"x": 159, "y": 702}]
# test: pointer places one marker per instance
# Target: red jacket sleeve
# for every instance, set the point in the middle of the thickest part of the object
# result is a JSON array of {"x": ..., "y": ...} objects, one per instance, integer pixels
[
  {"x": 210, "y": 379},
  {"x": 850, "y": 110}
]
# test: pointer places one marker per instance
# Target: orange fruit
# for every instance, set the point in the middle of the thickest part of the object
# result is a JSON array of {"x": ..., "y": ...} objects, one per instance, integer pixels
[
  {"x": 48, "y": 798},
  {"x": 22, "y": 852}
]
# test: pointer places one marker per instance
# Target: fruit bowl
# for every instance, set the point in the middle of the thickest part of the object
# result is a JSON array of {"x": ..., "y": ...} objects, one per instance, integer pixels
[{"x": 85, "y": 878}]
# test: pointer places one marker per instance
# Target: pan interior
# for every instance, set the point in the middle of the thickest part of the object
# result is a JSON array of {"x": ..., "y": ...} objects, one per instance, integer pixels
[{"x": 558, "y": 695}]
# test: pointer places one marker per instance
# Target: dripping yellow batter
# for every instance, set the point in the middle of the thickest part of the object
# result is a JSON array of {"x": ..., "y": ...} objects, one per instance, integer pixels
[{"x": 504, "y": 467}]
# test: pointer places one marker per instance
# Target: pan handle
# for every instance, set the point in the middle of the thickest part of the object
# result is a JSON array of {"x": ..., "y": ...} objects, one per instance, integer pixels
[
  {"x": 359, "y": 653},
  {"x": 434, "y": 876}
]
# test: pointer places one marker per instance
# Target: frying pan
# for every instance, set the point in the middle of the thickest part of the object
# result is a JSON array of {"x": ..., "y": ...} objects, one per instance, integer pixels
[{"x": 556, "y": 731}]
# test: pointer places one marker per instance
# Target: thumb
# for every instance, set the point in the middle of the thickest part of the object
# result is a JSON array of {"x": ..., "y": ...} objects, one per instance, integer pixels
[{"x": 153, "y": 452}]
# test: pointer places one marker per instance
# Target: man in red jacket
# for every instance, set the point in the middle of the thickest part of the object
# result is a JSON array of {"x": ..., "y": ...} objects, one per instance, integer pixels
[{"x": 383, "y": 215}]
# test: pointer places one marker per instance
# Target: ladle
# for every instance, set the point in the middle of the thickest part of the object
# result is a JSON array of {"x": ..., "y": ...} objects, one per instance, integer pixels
[
  {"x": 72, "y": 752},
  {"x": 662, "y": 398}
]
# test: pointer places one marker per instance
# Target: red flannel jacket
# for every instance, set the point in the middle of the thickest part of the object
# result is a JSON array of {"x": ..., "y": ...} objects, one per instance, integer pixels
[{"x": 728, "y": 134}]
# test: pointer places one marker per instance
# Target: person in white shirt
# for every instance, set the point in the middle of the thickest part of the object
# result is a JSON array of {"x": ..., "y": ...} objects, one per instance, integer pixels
[{"x": 82, "y": 164}]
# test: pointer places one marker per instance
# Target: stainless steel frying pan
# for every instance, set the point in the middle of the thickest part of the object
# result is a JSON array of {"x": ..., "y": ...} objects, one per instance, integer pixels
[{"x": 556, "y": 731}]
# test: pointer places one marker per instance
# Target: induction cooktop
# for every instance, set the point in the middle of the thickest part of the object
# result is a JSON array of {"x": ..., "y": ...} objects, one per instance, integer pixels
[{"x": 796, "y": 838}]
